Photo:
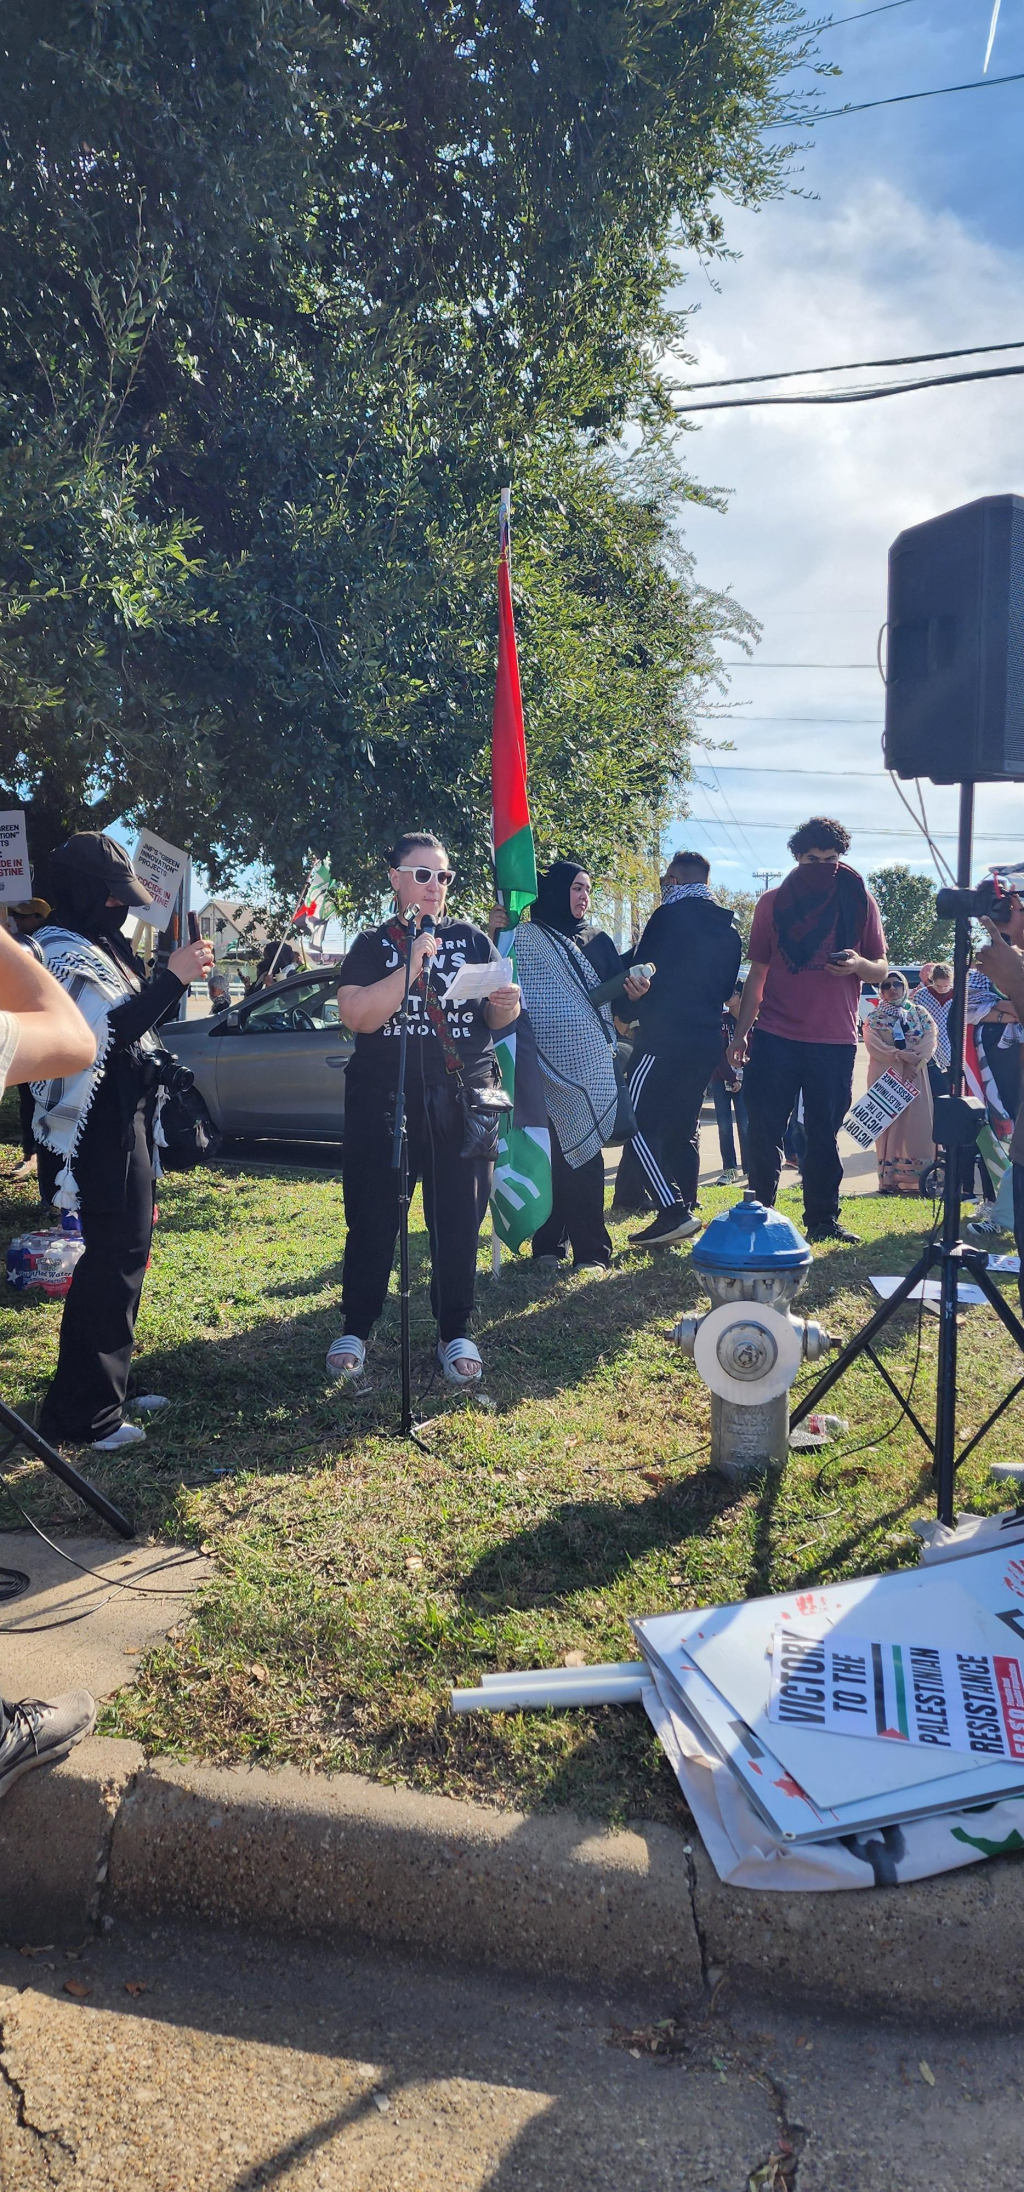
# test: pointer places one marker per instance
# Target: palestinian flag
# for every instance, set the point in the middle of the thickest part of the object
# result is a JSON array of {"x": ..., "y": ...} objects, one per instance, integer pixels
[
  {"x": 515, "y": 868},
  {"x": 521, "y": 1194}
]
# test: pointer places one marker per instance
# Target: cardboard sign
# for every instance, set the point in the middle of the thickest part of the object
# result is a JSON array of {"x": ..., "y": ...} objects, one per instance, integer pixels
[
  {"x": 887, "y": 1099},
  {"x": 930, "y": 1694},
  {"x": 15, "y": 873},
  {"x": 161, "y": 867}
]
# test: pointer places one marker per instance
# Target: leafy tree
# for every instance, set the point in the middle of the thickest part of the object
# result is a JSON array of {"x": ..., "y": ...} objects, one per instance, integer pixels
[
  {"x": 287, "y": 288},
  {"x": 906, "y": 902},
  {"x": 742, "y": 903}
]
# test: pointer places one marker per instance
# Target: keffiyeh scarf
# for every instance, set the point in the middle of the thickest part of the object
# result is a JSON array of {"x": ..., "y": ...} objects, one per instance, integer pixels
[
  {"x": 676, "y": 891},
  {"x": 95, "y": 984},
  {"x": 574, "y": 1040}
]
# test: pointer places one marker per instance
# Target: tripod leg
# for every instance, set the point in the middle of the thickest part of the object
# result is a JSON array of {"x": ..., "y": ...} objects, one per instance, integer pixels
[
  {"x": 863, "y": 1338},
  {"x": 63, "y": 1469},
  {"x": 403, "y": 1269}
]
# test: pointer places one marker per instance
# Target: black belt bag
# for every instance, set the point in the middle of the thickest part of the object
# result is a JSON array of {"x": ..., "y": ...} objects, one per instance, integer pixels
[{"x": 482, "y": 1104}]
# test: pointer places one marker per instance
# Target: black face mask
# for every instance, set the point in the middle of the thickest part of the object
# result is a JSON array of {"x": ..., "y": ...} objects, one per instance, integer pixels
[{"x": 109, "y": 921}]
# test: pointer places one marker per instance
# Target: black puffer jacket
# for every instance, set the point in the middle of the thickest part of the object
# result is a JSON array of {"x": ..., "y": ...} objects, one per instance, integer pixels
[{"x": 696, "y": 948}]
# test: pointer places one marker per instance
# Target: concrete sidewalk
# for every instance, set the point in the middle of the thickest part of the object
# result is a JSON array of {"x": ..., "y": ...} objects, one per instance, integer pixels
[{"x": 106, "y": 1835}]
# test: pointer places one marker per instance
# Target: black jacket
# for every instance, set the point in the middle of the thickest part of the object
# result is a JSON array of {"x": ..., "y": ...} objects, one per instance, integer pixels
[{"x": 696, "y": 949}]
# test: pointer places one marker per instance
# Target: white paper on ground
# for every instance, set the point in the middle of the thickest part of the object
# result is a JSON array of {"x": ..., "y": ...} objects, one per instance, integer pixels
[
  {"x": 1004, "y": 1263},
  {"x": 929, "y": 1290},
  {"x": 469, "y": 982},
  {"x": 930, "y": 1695},
  {"x": 747, "y": 1853},
  {"x": 973, "y": 1534}
]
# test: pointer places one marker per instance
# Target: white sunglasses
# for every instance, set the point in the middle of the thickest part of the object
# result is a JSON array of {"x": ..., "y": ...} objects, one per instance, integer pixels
[{"x": 429, "y": 875}]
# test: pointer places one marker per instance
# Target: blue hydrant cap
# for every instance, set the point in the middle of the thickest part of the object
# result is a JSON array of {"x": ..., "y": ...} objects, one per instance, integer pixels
[{"x": 750, "y": 1237}]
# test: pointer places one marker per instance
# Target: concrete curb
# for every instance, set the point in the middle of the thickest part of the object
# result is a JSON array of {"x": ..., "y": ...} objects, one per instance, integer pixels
[{"x": 344, "y": 1858}]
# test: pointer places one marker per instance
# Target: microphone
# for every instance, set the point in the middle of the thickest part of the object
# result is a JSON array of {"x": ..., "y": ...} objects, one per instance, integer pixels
[
  {"x": 411, "y": 916},
  {"x": 428, "y": 927}
]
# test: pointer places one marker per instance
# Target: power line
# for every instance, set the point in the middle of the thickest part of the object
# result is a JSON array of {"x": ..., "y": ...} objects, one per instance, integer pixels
[
  {"x": 886, "y": 9},
  {"x": 869, "y": 829},
  {"x": 859, "y": 365},
  {"x": 746, "y": 663},
  {"x": 899, "y": 99},
  {"x": 858, "y": 395},
  {"x": 754, "y": 768}
]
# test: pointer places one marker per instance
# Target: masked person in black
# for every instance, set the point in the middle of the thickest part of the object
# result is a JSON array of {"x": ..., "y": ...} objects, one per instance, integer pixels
[
  {"x": 95, "y": 1131},
  {"x": 450, "y": 1055}
]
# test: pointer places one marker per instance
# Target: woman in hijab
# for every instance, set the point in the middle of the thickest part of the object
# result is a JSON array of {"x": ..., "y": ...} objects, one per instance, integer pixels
[
  {"x": 565, "y": 972},
  {"x": 900, "y": 1037},
  {"x": 96, "y": 1131}
]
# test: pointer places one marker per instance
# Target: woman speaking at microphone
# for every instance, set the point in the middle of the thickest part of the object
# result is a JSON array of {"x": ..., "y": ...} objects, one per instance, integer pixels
[{"x": 449, "y": 1071}]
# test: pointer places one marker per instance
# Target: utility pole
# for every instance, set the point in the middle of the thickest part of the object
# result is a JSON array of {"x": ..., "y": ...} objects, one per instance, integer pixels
[{"x": 767, "y": 876}]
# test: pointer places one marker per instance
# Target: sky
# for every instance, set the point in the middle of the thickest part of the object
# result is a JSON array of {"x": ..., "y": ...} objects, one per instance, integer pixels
[{"x": 900, "y": 232}]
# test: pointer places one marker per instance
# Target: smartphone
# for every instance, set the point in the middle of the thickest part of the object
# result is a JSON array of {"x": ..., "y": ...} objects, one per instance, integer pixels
[
  {"x": 193, "y": 928},
  {"x": 837, "y": 958}
]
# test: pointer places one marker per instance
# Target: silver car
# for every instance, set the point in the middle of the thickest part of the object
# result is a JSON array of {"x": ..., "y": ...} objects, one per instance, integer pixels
[{"x": 274, "y": 1064}]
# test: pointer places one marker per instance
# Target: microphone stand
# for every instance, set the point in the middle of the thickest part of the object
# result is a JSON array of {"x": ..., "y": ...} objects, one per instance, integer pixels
[{"x": 400, "y": 1164}]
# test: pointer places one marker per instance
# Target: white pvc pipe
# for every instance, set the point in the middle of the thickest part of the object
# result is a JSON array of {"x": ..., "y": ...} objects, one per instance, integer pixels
[
  {"x": 590, "y": 1686},
  {"x": 624, "y": 1670}
]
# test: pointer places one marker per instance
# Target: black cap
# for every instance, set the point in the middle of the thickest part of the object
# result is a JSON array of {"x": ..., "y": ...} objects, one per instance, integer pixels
[{"x": 90, "y": 853}]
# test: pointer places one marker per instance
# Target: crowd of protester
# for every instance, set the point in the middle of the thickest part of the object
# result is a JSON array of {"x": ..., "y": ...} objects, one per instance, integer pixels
[{"x": 631, "y": 1045}]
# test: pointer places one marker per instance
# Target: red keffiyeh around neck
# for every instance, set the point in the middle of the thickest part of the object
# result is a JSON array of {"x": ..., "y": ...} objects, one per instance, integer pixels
[{"x": 818, "y": 903}]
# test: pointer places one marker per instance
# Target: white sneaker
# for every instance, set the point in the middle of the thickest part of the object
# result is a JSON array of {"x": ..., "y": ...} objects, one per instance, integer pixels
[
  {"x": 730, "y": 1177},
  {"x": 127, "y": 1434}
]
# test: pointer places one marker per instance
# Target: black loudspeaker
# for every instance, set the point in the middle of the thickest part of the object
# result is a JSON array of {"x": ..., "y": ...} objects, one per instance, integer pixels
[{"x": 954, "y": 702}]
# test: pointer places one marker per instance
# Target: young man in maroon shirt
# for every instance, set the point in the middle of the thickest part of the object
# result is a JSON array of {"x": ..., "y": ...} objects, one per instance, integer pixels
[{"x": 812, "y": 944}]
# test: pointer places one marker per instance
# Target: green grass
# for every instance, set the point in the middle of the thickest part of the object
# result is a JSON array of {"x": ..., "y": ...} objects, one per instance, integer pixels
[{"x": 356, "y": 1580}]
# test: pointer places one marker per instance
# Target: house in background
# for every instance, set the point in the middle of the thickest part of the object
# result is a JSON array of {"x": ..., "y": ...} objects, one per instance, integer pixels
[{"x": 232, "y": 928}]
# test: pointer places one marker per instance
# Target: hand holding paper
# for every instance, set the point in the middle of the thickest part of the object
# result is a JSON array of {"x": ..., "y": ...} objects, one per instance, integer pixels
[{"x": 470, "y": 983}]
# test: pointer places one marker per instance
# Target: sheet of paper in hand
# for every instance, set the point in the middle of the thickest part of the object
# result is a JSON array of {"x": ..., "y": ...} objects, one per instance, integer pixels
[
  {"x": 903, "y": 1693},
  {"x": 468, "y": 983},
  {"x": 884, "y": 1101}
]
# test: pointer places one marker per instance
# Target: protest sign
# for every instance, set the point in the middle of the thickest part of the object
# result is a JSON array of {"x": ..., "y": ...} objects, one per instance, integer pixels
[
  {"x": 161, "y": 867},
  {"x": 884, "y": 1101},
  {"x": 930, "y": 1694},
  {"x": 15, "y": 873}
]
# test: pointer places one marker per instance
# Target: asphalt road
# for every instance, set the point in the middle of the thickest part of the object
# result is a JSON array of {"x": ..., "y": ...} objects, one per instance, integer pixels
[{"x": 166, "y": 2061}]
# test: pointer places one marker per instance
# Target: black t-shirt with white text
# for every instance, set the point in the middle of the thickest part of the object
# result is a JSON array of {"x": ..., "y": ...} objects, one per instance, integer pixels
[{"x": 374, "y": 955}]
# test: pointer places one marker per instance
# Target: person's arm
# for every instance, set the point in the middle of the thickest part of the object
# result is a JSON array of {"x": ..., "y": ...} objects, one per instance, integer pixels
[
  {"x": 1004, "y": 966},
  {"x": 750, "y": 1006},
  {"x": 160, "y": 994},
  {"x": 365, "y": 1006},
  {"x": 502, "y": 1006},
  {"x": 53, "y": 1039},
  {"x": 853, "y": 962}
]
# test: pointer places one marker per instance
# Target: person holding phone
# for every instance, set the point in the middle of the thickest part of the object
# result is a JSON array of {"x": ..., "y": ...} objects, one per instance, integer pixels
[
  {"x": 96, "y": 1130},
  {"x": 813, "y": 942}
]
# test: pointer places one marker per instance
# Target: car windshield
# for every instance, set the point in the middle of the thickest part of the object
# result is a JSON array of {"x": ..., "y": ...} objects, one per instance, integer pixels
[{"x": 294, "y": 1006}]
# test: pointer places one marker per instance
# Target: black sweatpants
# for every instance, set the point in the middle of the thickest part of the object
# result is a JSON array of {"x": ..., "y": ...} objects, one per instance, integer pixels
[
  {"x": 667, "y": 1094},
  {"x": 777, "y": 1071},
  {"x": 97, "y": 1331},
  {"x": 577, "y": 1210},
  {"x": 455, "y": 1195}
]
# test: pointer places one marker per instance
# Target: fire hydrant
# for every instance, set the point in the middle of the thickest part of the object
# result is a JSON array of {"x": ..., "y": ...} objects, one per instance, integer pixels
[{"x": 748, "y": 1347}]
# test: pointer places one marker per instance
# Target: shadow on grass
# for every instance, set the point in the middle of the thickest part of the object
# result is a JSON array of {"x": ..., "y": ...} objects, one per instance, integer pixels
[{"x": 586, "y": 1544}]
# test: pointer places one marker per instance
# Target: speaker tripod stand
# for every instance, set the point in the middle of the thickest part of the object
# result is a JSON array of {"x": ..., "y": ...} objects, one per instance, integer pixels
[{"x": 958, "y": 1120}]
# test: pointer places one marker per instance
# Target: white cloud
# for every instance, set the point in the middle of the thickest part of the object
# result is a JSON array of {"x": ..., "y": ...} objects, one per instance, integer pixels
[{"x": 818, "y": 494}]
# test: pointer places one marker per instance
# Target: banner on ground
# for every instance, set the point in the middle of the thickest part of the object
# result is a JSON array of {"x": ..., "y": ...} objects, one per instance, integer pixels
[
  {"x": 907, "y": 1693},
  {"x": 15, "y": 873},
  {"x": 521, "y": 1195}
]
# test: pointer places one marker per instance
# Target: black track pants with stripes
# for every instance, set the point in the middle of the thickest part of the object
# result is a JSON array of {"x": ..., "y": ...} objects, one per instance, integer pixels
[{"x": 667, "y": 1092}]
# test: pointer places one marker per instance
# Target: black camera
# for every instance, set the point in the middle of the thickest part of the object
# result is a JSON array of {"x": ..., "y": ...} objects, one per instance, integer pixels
[
  {"x": 988, "y": 901},
  {"x": 172, "y": 1075}
]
